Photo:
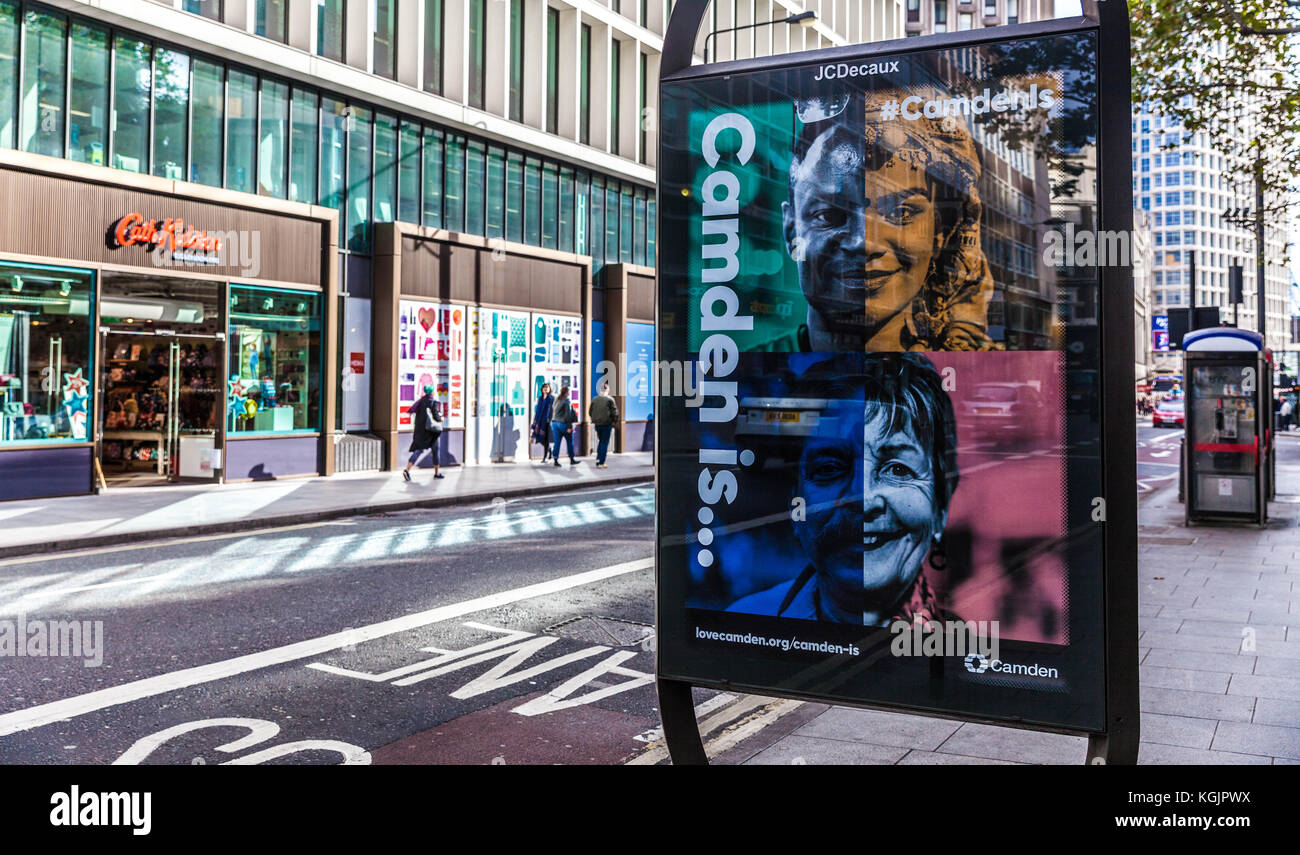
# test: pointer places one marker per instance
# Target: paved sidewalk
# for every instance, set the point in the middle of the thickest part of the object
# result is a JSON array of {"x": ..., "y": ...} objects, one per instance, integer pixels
[
  {"x": 1207, "y": 696},
  {"x": 127, "y": 513}
]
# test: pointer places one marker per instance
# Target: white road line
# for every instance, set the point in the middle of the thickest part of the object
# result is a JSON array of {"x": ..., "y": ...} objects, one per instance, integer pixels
[{"x": 38, "y": 716}]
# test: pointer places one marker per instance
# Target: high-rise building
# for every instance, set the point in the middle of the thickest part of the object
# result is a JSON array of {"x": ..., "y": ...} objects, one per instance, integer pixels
[
  {"x": 946, "y": 16},
  {"x": 240, "y": 236},
  {"x": 1181, "y": 180}
]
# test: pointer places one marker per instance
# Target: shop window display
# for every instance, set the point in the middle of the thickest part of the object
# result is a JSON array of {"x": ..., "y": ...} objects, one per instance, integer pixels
[
  {"x": 45, "y": 360},
  {"x": 274, "y": 367}
]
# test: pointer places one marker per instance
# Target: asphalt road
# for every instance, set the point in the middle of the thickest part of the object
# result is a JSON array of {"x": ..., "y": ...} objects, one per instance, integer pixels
[
  {"x": 289, "y": 636},
  {"x": 510, "y": 633}
]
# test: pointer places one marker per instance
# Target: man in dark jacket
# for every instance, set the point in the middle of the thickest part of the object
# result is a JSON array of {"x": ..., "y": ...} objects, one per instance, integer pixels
[
  {"x": 563, "y": 418},
  {"x": 603, "y": 411},
  {"x": 428, "y": 429}
]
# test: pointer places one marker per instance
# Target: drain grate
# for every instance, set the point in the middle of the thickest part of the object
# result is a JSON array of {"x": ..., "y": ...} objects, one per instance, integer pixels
[{"x": 614, "y": 632}]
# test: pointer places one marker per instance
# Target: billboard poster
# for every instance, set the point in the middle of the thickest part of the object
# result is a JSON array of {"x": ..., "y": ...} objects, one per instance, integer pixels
[
  {"x": 555, "y": 345},
  {"x": 1160, "y": 332},
  {"x": 431, "y": 352},
  {"x": 880, "y": 488},
  {"x": 638, "y": 394},
  {"x": 502, "y": 404}
]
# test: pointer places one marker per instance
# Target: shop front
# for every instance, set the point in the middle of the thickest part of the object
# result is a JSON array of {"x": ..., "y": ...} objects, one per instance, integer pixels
[
  {"x": 150, "y": 337},
  {"x": 486, "y": 324}
]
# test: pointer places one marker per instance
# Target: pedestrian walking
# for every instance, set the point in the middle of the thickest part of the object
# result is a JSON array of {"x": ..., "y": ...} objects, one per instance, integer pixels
[
  {"x": 603, "y": 411},
  {"x": 563, "y": 418},
  {"x": 428, "y": 429},
  {"x": 1286, "y": 411},
  {"x": 541, "y": 428}
]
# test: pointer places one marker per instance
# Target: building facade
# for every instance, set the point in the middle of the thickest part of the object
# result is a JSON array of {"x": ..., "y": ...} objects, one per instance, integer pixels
[
  {"x": 1180, "y": 179},
  {"x": 241, "y": 235},
  {"x": 946, "y": 16}
]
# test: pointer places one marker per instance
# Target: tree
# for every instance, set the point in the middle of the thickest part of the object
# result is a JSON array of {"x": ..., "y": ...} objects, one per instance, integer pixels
[{"x": 1228, "y": 69}]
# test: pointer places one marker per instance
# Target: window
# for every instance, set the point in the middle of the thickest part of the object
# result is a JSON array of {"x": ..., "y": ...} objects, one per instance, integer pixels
[
  {"x": 566, "y": 209},
  {"x": 408, "y": 173},
  {"x": 43, "y": 85},
  {"x": 241, "y": 131},
  {"x": 615, "y": 84},
  {"x": 941, "y": 16},
  {"x": 433, "y": 28},
  {"x": 914, "y": 11},
  {"x": 597, "y": 230},
  {"x": 642, "y": 105},
  {"x": 271, "y": 21},
  {"x": 385, "y": 178},
  {"x": 45, "y": 335},
  {"x": 273, "y": 140},
  {"x": 584, "y": 87},
  {"x": 581, "y": 212},
  {"x": 1013, "y": 11},
  {"x": 432, "y": 213},
  {"x": 611, "y": 222},
  {"x": 515, "y": 197},
  {"x": 302, "y": 148},
  {"x": 965, "y": 20},
  {"x": 88, "y": 96},
  {"x": 990, "y": 8},
  {"x": 9, "y": 30},
  {"x": 207, "y": 104},
  {"x": 532, "y": 202},
  {"x": 171, "y": 103},
  {"x": 475, "y": 153},
  {"x": 638, "y": 230},
  {"x": 496, "y": 193},
  {"x": 131, "y": 105},
  {"x": 333, "y": 148},
  {"x": 517, "y": 59},
  {"x": 552, "y": 70},
  {"x": 453, "y": 186},
  {"x": 274, "y": 342},
  {"x": 356, "y": 226},
  {"x": 650, "y": 224},
  {"x": 477, "y": 49},
  {"x": 550, "y": 206},
  {"x": 206, "y": 8},
  {"x": 329, "y": 29},
  {"x": 625, "y": 225},
  {"x": 384, "y": 37}
]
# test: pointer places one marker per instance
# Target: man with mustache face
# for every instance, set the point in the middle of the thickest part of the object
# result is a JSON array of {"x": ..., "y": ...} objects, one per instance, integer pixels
[
  {"x": 877, "y": 478},
  {"x": 883, "y": 226}
]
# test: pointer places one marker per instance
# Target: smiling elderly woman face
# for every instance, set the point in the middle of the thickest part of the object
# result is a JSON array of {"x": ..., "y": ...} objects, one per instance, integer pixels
[{"x": 877, "y": 479}]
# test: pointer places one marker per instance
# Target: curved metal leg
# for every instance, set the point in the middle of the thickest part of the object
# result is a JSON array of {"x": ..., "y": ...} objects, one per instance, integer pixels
[{"x": 681, "y": 730}]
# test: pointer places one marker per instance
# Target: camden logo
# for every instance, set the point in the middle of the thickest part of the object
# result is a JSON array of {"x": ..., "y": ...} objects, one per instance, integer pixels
[{"x": 977, "y": 663}]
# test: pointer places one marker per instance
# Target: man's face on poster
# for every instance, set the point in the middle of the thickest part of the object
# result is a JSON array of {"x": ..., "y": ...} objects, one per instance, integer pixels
[
  {"x": 860, "y": 227},
  {"x": 871, "y": 506}
]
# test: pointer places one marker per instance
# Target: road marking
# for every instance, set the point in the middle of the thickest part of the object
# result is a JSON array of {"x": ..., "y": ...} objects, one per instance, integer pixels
[
  {"x": 68, "y": 708},
  {"x": 741, "y": 720}
]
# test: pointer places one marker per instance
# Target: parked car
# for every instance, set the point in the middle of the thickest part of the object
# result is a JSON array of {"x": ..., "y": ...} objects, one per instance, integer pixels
[
  {"x": 1168, "y": 412},
  {"x": 1006, "y": 411}
]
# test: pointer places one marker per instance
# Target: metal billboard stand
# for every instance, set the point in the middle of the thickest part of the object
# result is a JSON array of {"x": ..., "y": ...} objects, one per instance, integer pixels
[{"x": 1117, "y": 743}]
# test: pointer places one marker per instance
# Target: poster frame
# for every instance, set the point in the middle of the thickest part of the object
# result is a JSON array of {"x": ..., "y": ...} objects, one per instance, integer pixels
[{"x": 1116, "y": 509}]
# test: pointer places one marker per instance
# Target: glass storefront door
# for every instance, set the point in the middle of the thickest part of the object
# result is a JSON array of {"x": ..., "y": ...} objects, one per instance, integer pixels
[{"x": 163, "y": 354}]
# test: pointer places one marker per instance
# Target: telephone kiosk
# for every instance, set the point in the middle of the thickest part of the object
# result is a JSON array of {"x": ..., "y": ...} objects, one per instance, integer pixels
[{"x": 1228, "y": 450}]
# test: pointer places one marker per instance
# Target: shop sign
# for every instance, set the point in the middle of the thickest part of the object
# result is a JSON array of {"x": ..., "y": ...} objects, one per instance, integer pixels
[{"x": 182, "y": 241}]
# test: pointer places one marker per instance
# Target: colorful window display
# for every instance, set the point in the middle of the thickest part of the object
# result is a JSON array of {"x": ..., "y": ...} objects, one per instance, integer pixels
[
  {"x": 555, "y": 348},
  {"x": 45, "y": 354},
  {"x": 431, "y": 352},
  {"x": 274, "y": 363},
  {"x": 503, "y": 402}
]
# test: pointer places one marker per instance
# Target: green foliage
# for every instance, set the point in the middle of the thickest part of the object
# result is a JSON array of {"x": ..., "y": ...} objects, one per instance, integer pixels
[{"x": 1229, "y": 69}]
